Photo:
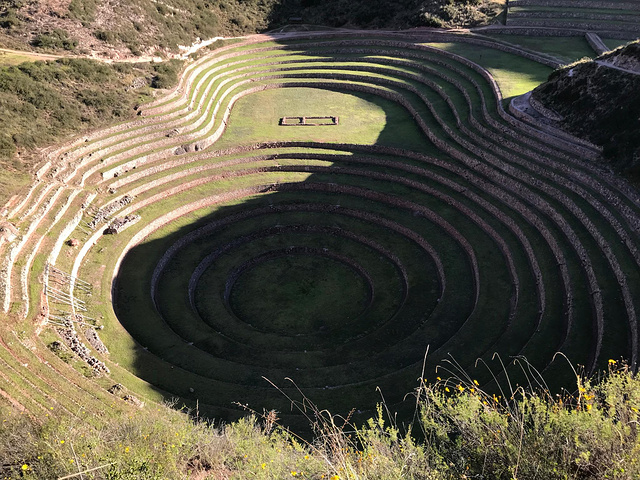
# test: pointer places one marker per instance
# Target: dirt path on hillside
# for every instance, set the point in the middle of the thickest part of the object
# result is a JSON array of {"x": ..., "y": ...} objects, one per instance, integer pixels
[
  {"x": 32, "y": 55},
  {"x": 184, "y": 52},
  {"x": 611, "y": 65}
]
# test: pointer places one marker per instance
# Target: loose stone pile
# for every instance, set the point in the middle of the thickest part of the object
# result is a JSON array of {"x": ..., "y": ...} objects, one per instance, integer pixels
[
  {"x": 70, "y": 337},
  {"x": 122, "y": 223}
]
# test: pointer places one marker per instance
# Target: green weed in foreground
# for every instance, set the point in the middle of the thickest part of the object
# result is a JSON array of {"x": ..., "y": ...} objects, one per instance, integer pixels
[{"x": 465, "y": 433}]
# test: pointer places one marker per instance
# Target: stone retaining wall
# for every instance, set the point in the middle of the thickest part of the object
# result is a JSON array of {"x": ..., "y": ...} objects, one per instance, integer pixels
[
  {"x": 577, "y": 25},
  {"x": 556, "y": 32}
]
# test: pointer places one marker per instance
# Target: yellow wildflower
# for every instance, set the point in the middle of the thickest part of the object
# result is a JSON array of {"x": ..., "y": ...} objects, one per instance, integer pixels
[{"x": 25, "y": 467}]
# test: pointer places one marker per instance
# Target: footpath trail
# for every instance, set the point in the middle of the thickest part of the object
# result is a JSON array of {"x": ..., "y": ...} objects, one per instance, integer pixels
[
  {"x": 9, "y": 54},
  {"x": 183, "y": 53},
  {"x": 611, "y": 65}
]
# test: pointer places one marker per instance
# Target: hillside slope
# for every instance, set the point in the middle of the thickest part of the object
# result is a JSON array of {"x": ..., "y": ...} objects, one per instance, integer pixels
[
  {"x": 121, "y": 28},
  {"x": 43, "y": 102},
  {"x": 599, "y": 100}
]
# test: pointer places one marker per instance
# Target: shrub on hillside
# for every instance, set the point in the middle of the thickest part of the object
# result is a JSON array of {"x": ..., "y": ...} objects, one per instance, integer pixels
[
  {"x": 9, "y": 19},
  {"x": 55, "y": 40},
  {"x": 431, "y": 20},
  {"x": 83, "y": 10},
  {"x": 106, "y": 36},
  {"x": 166, "y": 74}
]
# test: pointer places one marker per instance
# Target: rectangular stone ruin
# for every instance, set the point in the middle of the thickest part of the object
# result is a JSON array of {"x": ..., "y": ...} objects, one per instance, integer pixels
[
  {"x": 121, "y": 223},
  {"x": 309, "y": 121}
]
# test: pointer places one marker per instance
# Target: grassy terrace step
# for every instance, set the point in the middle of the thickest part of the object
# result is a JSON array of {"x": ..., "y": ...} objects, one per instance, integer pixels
[
  {"x": 577, "y": 23},
  {"x": 458, "y": 226},
  {"x": 53, "y": 380},
  {"x": 565, "y": 12},
  {"x": 324, "y": 42}
]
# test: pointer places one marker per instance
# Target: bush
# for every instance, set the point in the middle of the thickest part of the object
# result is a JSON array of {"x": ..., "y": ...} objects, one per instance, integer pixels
[
  {"x": 431, "y": 20},
  {"x": 106, "y": 36},
  {"x": 55, "y": 40},
  {"x": 7, "y": 146},
  {"x": 532, "y": 434},
  {"x": 83, "y": 10},
  {"x": 10, "y": 19},
  {"x": 166, "y": 74}
]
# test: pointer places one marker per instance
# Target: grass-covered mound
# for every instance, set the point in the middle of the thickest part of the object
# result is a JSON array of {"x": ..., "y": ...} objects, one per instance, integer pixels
[
  {"x": 601, "y": 103},
  {"x": 459, "y": 431}
]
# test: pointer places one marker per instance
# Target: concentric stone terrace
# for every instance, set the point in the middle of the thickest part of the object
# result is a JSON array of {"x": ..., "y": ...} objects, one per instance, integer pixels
[
  {"x": 428, "y": 216},
  {"x": 617, "y": 18}
]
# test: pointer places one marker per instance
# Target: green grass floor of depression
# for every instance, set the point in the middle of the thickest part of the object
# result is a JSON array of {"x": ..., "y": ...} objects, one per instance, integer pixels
[{"x": 364, "y": 119}]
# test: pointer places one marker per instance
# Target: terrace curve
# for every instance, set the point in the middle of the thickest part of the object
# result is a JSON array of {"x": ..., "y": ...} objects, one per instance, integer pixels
[{"x": 480, "y": 234}]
